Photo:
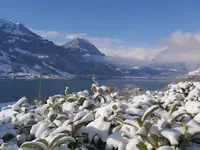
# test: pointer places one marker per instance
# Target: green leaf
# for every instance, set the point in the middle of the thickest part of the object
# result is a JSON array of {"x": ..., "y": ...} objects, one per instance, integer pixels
[
  {"x": 47, "y": 110},
  {"x": 185, "y": 127},
  {"x": 114, "y": 107},
  {"x": 31, "y": 145},
  {"x": 81, "y": 100},
  {"x": 118, "y": 119},
  {"x": 188, "y": 137},
  {"x": 4, "y": 145},
  {"x": 155, "y": 140},
  {"x": 17, "y": 111},
  {"x": 141, "y": 146},
  {"x": 78, "y": 126},
  {"x": 126, "y": 123},
  {"x": 51, "y": 105},
  {"x": 139, "y": 107},
  {"x": 143, "y": 137},
  {"x": 66, "y": 91},
  {"x": 107, "y": 91},
  {"x": 63, "y": 142},
  {"x": 149, "y": 111},
  {"x": 52, "y": 117},
  {"x": 71, "y": 99},
  {"x": 56, "y": 139},
  {"x": 94, "y": 88},
  {"x": 139, "y": 121},
  {"x": 95, "y": 81},
  {"x": 43, "y": 141},
  {"x": 173, "y": 108},
  {"x": 148, "y": 126},
  {"x": 168, "y": 125},
  {"x": 59, "y": 108},
  {"x": 53, "y": 101},
  {"x": 177, "y": 116}
]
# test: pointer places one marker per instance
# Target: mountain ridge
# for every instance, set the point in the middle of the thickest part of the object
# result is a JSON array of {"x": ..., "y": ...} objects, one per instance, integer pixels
[
  {"x": 76, "y": 45},
  {"x": 22, "y": 51}
]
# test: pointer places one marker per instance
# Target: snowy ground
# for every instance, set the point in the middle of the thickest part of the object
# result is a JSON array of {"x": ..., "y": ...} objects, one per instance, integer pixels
[{"x": 160, "y": 120}]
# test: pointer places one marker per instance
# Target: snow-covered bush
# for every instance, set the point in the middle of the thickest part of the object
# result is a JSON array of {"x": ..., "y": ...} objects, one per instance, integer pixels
[{"x": 160, "y": 120}]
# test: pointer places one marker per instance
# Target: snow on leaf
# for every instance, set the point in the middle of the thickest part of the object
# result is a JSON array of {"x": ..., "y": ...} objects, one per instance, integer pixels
[
  {"x": 149, "y": 111},
  {"x": 30, "y": 145}
]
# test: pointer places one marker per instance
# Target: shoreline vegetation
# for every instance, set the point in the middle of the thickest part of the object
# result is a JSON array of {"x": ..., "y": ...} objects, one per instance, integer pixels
[{"x": 107, "y": 118}]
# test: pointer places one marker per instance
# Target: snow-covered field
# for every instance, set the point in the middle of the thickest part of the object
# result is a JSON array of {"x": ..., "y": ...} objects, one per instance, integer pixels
[{"x": 159, "y": 120}]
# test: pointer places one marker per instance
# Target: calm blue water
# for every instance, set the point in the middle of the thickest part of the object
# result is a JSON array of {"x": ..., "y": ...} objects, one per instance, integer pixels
[{"x": 12, "y": 90}]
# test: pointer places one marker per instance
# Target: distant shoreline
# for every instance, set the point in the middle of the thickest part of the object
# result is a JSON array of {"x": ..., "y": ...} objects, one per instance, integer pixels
[{"x": 89, "y": 77}]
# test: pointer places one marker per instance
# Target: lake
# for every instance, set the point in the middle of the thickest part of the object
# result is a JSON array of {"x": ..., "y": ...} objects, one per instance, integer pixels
[{"x": 12, "y": 90}]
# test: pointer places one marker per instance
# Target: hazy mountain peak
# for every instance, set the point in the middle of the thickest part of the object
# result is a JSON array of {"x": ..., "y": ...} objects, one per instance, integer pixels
[
  {"x": 83, "y": 47},
  {"x": 78, "y": 42}
]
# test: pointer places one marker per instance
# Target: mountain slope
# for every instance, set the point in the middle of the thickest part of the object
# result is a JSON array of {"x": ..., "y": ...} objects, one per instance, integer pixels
[
  {"x": 80, "y": 46},
  {"x": 22, "y": 51},
  {"x": 194, "y": 73}
]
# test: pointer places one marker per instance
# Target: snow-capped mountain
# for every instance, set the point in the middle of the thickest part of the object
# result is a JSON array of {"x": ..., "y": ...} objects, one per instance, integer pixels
[
  {"x": 81, "y": 46},
  {"x": 22, "y": 51}
]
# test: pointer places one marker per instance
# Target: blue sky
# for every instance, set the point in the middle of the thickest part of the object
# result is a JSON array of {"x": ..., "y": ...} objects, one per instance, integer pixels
[{"x": 119, "y": 24}]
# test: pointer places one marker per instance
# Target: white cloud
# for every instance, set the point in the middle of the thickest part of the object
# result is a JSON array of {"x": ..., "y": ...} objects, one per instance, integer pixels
[
  {"x": 47, "y": 34},
  {"x": 182, "y": 47},
  {"x": 178, "y": 46},
  {"x": 71, "y": 36},
  {"x": 60, "y": 43},
  {"x": 109, "y": 46},
  {"x": 146, "y": 54},
  {"x": 115, "y": 47}
]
